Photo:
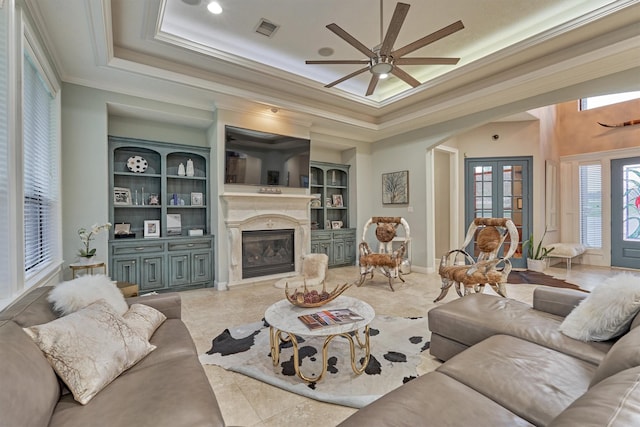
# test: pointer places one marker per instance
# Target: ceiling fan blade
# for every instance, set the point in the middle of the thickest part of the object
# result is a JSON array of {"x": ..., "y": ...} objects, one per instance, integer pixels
[
  {"x": 372, "y": 84},
  {"x": 339, "y": 61},
  {"x": 435, "y": 36},
  {"x": 399, "y": 14},
  {"x": 347, "y": 77},
  {"x": 426, "y": 61},
  {"x": 405, "y": 77},
  {"x": 351, "y": 40}
]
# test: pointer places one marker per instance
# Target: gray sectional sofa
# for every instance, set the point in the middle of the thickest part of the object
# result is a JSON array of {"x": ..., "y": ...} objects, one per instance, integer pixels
[
  {"x": 166, "y": 388},
  {"x": 506, "y": 364}
]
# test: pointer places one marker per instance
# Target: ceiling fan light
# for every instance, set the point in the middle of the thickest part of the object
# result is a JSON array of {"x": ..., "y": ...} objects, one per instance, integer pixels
[
  {"x": 214, "y": 7},
  {"x": 381, "y": 68},
  {"x": 383, "y": 76}
]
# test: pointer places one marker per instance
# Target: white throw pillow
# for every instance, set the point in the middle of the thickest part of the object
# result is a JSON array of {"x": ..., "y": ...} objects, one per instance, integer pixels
[
  {"x": 75, "y": 294},
  {"x": 144, "y": 320},
  {"x": 607, "y": 312},
  {"x": 89, "y": 348}
]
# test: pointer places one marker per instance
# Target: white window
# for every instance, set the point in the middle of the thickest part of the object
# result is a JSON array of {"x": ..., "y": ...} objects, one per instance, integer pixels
[
  {"x": 590, "y": 179},
  {"x": 40, "y": 170},
  {"x": 30, "y": 223},
  {"x": 6, "y": 284},
  {"x": 601, "y": 101}
]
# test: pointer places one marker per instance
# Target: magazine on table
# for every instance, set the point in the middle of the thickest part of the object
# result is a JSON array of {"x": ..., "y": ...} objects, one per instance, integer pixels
[{"x": 326, "y": 318}]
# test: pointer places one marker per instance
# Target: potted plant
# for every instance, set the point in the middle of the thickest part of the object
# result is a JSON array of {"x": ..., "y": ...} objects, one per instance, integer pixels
[{"x": 536, "y": 254}]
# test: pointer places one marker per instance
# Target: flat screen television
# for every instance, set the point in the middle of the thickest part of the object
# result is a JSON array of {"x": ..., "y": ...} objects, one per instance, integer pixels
[{"x": 260, "y": 158}]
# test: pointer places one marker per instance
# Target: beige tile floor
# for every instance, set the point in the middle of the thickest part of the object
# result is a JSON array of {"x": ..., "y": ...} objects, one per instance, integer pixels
[{"x": 248, "y": 402}]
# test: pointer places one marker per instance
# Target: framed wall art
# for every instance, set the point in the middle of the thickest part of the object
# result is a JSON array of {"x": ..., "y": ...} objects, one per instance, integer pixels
[
  {"x": 152, "y": 228},
  {"x": 196, "y": 199},
  {"x": 395, "y": 188},
  {"x": 121, "y": 196}
]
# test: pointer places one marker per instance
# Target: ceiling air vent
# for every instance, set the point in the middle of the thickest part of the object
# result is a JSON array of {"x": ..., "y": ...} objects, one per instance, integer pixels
[{"x": 266, "y": 28}]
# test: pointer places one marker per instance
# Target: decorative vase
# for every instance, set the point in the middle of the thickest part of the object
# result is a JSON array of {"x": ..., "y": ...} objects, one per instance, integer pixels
[
  {"x": 190, "y": 170},
  {"x": 87, "y": 259},
  {"x": 538, "y": 265},
  {"x": 181, "y": 171}
]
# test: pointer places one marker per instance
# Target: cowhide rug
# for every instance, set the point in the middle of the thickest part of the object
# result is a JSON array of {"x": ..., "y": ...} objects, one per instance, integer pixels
[{"x": 396, "y": 344}]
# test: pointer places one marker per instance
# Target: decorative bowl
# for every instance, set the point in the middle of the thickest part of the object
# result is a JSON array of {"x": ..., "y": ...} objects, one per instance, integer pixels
[{"x": 313, "y": 298}]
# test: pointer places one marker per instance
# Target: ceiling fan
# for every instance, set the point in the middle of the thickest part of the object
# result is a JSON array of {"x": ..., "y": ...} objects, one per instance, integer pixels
[{"x": 383, "y": 60}]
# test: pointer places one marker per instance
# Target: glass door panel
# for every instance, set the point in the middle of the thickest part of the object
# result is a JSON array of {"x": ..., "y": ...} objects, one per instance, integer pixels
[
  {"x": 625, "y": 212},
  {"x": 500, "y": 188}
]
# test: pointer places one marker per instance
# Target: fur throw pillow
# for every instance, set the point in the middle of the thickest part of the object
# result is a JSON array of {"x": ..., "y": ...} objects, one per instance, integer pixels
[
  {"x": 70, "y": 296},
  {"x": 607, "y": 312}
]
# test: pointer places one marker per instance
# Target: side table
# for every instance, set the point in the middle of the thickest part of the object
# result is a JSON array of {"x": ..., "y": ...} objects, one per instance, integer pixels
[
  {"x": 128, "y": 289},
  {"x": 284, "y": 326},
  {"x": 81, "y": 266}
]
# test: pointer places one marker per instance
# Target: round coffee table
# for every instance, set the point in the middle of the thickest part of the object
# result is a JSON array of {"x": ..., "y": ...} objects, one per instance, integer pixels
[{"x": 284, "y": 325}]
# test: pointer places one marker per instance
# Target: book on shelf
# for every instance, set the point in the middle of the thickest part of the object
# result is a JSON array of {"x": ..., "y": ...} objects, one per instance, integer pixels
[{"x": 325, "y": 318}]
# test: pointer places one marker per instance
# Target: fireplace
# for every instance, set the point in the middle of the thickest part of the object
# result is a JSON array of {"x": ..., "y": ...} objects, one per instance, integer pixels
[
  {"x": 266, "y": 252},
  {"x": 245, "y": 213}
]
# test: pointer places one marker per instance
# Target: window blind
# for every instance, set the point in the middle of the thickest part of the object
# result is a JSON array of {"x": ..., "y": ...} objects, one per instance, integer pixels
[
  {"x": 40, "y": 171},
  {"x": 5, "y": 242},
  {"x": 591, "y": 205}
]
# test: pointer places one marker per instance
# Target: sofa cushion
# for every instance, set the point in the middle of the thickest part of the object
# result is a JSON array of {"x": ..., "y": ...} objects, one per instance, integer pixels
[
  {"x": 434, "y": 399},
  {"x": 75, "y": 294},
  {"x": 144, "y": 320},
  {"x": 89, "y": 348},
  {"x": 613, "y": 402},
  {"x": 172, "y": 340},
  {"x": 557, "y": 301},
  {"x": 172, "y": 392},
  {"x": 32, "y": 308},
  {"x": 607, "y": 312},
  {"x": 534, "y": 382},
  {"x": 623, "y": 355},
  {"x": 476, "y": 317},
  {"x": 30, "y": 389}
]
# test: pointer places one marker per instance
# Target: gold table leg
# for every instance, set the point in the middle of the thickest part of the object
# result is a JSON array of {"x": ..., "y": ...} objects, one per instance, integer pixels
[{"x": 276, "y": 336}]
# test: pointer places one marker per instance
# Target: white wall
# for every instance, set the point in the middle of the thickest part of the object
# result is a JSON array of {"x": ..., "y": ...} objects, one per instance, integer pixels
[
  {"x": 85, "y": 128},
  {"x": 515, "y": 139}
]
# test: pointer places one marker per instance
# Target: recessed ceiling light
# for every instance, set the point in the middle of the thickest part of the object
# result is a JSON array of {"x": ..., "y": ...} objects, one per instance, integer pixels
[
  {"x": 325, "y": 51},
  {"x": 214, "y": 7}
]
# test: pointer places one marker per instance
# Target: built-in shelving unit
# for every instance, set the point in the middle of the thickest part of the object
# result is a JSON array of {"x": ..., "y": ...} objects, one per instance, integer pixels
[
  {"x": 164, "y": 205},
  {"x": 330, "y": 232}
]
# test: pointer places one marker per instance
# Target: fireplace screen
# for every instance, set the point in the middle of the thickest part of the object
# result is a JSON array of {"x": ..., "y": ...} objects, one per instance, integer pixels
[{"x": 266, "y": 252}]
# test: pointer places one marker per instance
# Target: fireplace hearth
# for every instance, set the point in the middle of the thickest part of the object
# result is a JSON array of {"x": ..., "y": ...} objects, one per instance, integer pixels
[{"x": 266, "y": 252}]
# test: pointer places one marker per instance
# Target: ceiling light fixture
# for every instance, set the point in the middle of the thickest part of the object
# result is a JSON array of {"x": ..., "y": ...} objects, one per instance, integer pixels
[
  {"x": 380, "y": 65},
  {"x": 214, "y": 7}
]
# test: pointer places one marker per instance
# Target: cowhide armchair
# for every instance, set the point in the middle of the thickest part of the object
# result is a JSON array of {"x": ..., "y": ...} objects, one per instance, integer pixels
[
  {"x": 388, "y": 260},
  {"x": 459, "y": 268}
]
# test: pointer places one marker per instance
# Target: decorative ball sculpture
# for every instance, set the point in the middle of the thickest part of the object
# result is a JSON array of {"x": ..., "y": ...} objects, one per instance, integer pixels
[{"x": 313, "y": 298}]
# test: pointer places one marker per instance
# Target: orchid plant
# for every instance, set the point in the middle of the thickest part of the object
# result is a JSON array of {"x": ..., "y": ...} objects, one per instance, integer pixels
[{"x": 86, "y": 236}]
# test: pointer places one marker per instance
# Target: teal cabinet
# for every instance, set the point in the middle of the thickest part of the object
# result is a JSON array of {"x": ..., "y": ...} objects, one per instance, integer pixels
[
  {"x": 159, "y": 193},
  {"x": 330, "y": 232},
  {"x": 339, "y": 245}
]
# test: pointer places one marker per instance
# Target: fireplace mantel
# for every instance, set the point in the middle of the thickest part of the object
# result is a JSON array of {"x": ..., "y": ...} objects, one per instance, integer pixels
[
  {"x": 264, "y": 211},
  {"x": 240, "y": 206}
]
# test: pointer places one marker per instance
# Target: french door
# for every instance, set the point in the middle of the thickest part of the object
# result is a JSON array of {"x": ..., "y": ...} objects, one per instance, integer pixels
[
  {"x": 625, "y": 212},
  {"x": 501, "y": 188}
]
